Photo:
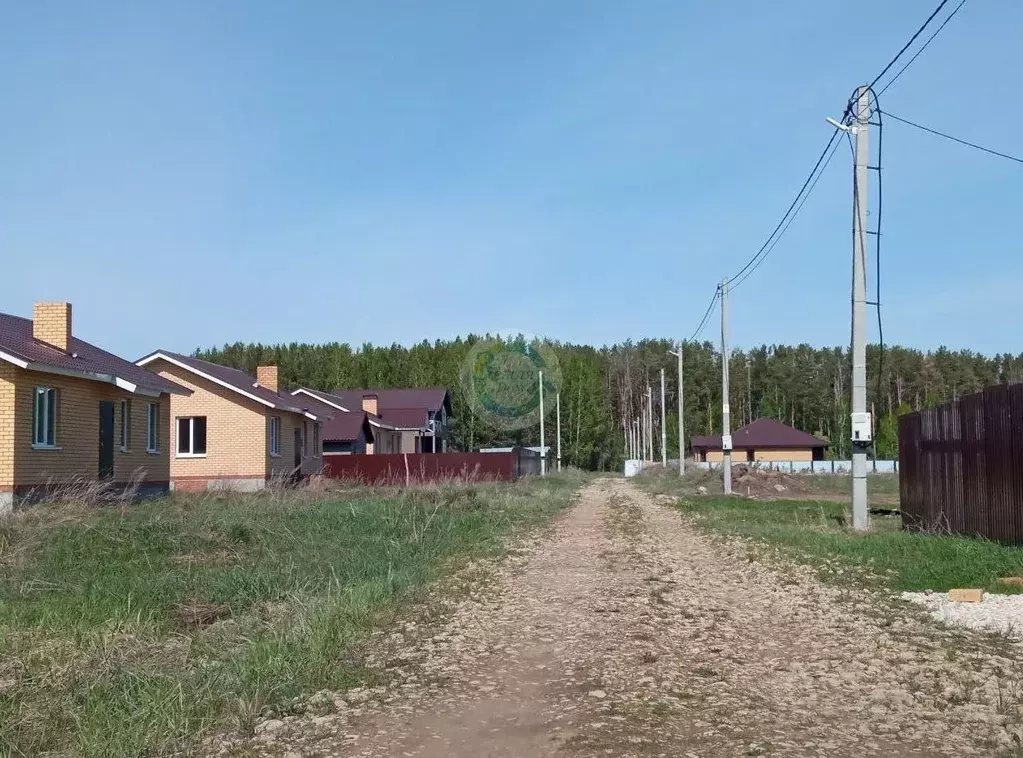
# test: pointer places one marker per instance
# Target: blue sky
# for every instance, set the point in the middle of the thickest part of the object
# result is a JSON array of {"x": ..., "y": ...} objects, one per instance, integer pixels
[{"x": 199, "y": 172}]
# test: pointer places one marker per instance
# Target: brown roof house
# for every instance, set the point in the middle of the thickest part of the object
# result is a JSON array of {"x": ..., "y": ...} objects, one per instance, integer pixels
[
  {"x": 380, "y": 437},
  {"x": 233, "y": 430},
  {"x": 762, "y": 440},
  {"x": 348, "y": 432},
  {"x": 405, "y": 420},
  {"x": 71, "y": 411}
]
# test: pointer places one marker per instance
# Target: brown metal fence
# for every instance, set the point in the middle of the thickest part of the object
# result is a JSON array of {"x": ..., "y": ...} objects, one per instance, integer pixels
[
  {"x": 407, "y": 468},
  {"x": 961, "y": 465}
]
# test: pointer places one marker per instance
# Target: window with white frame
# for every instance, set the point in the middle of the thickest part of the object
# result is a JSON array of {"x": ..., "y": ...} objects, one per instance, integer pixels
[
  {"x": 44, "y": 417},
  {"x": 191, "y": 436},
  {"x": 125, "y": 425},
  {"x": 153, "y": 428},
  {"x": 275, "y": 435}
]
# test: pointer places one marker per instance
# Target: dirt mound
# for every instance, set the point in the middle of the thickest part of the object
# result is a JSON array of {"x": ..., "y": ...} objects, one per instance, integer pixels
[{"x": 754, "y": 481}]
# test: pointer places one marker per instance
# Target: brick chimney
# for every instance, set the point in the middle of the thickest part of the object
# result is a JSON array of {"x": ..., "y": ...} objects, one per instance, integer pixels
[
  {"x": 266, "y": 376},
  {"x": 51, "y": 323},
  {"x": 370, "y": 404}
]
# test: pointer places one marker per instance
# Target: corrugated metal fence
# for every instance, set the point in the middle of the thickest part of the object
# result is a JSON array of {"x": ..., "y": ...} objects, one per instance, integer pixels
[
  {"x": 408, "y": 468},
  {"x": 962, "y": 465}
]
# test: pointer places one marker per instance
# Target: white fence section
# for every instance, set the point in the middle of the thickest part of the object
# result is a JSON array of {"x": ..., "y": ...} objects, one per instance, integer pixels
[{"x": 811, "y": 467}]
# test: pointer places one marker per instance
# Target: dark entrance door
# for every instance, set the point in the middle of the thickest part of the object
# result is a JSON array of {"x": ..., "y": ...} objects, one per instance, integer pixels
[
  {"x": 298, "y": 451},
  {"x": 106, "y": 440}
]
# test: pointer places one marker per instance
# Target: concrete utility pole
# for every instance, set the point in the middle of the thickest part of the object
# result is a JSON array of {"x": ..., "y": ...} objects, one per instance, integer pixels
[
  {"x": 543, "y": 453},
  {"x": 650, "y": 422},
  {"x": 557, "y": 400},
  {"x": 664, "y": 427},
  {"x": 861, "y": 425},
  {"x": 726, "y": 435},
  {"x": 681, "y": 415}
]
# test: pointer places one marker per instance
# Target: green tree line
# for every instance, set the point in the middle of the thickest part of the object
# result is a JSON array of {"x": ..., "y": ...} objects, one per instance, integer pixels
[{"x": 601, "y": 388}]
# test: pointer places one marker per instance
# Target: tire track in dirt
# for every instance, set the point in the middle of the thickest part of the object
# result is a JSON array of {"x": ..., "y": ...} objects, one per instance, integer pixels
[{"x": 628, "y": 633}]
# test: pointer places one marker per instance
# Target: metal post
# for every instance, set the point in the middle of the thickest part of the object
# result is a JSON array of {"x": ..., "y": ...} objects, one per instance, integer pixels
[
  {"x": 557, "y": 400},
  {"x": 543, "y": 455},
  {"x": 664, "y": 427},
  {"x": 860, "y": 419},
  {"x": 726, "y": 436}
]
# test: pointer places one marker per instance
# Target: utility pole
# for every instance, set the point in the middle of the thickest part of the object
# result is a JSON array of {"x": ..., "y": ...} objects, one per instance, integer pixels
[
  {"x": 650, "y": 422},
  {"x": 860, "y": 418},
  {"x": 664, "y": 427},
  {"x": 557, "y": 400},
  {"x": 681, "y": 412},
  {"x": 543, "y": 456},
  {"x": 726, "y": 435}
]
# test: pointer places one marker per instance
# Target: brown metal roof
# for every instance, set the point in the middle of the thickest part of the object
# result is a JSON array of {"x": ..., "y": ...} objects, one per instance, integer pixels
[
  {"x": 234, "y": 378},
  {"x": 430, "y": 398},
  {"x": 395, "y": 418},
  {"x": 345, "y": 427},
  {"x": 405, "y": 418},
  {"x": 20, "y": 347},
  {"x": 762, "y": 433}
]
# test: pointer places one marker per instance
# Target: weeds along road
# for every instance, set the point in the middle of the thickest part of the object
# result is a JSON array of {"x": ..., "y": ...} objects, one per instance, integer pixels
[{"x": 626, "y": 632}]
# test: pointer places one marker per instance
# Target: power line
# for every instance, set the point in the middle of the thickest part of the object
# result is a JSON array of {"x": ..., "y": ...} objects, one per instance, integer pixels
[
  {"x": 974, "y": 145},
  {"x": 909, "y": 44},
  {"x": 893, "y": 61},
  {"x": 923, "y": 47},
  {"x": 791, "y": 218},
  {"x": 800, "y": 198},
  {"x": 788, "y": 211},
  {"x": 706, "y": 315}
]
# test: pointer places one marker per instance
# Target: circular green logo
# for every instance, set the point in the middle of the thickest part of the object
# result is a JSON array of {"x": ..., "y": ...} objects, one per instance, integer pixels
[{"x": 501, "y": 378}]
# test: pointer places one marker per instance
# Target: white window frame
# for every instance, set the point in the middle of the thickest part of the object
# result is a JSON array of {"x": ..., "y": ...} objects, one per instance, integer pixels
[
  {"x": 191, "y": 437},
  {"x": 274, "y": 436},
  {"x": 48, "y": 409},
  {"x": 126, "y": 426},
  {"x": 152, "y": 428}
]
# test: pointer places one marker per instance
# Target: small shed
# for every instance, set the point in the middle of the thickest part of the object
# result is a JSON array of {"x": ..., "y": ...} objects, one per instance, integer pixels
[{"x": 765, "y": 439}]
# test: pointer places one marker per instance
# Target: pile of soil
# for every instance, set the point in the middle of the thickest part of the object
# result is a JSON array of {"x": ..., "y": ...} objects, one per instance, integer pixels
[{"x": 753, "y": 481}]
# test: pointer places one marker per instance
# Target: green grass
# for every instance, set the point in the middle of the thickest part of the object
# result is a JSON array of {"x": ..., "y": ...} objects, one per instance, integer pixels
[
  {"x": 105, "y": 643},
  {"x": 814, "y": 533}
]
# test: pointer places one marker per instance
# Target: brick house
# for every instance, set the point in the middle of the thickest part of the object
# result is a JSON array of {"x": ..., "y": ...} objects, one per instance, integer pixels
[
  {"x": 349, "y": 432},
  {"x": 765, "y": 439},
  {"x": 69, "y": 410},
  {"x": 233, "y": 430},
  {"x": 420, "y": 417}
]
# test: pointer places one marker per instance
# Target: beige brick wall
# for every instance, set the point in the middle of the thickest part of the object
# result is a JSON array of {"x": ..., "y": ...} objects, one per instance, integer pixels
[
  {"x": 408, "y": 442},
  {"x": 77, "y": 432},
  {"x": 51, "y": 323},
  {"x": 285, "y": 462},
  {"x": 237, "y": 432},
  {"x": 236, "y": 428},
  {"x": 7, "y": 394},
  {"x": 739, "y": 456}
]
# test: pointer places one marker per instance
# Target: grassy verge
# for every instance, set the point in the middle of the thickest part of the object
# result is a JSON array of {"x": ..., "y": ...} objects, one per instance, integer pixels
[
  {"x": 816, "y": 533},
  {"x": 134, "y": 631}
]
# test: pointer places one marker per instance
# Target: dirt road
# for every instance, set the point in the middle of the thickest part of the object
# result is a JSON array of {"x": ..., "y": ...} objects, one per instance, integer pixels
[{"x": 628, "y": 633}]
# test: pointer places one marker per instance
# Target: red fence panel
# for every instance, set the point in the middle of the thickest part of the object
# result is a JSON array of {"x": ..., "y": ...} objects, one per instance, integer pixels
[
  {"x": 402, "y": 468},
  {"x": 962, "y": 465}
]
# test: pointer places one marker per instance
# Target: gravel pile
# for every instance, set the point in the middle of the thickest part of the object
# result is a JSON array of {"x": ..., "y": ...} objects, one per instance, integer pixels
[{"x": 996, "y": 613}]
